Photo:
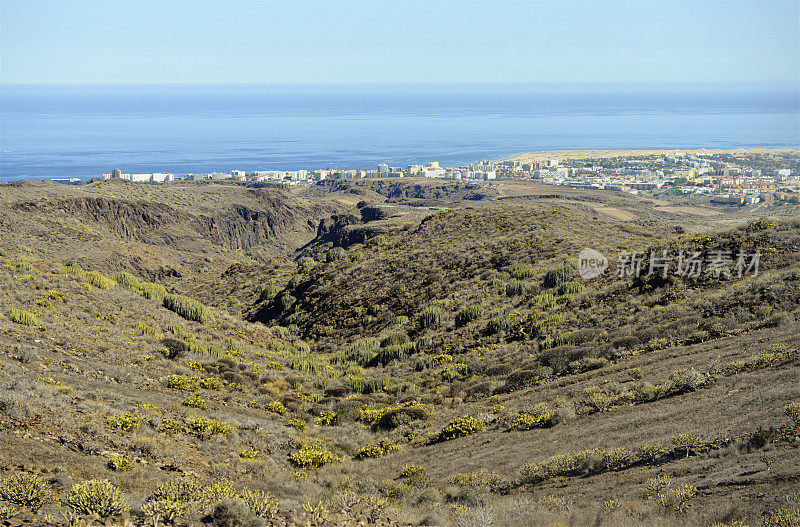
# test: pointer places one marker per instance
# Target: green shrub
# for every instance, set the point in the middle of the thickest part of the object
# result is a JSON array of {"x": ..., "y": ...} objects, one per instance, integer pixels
[
  {"x": 218, "y": 491},
  {"x": 166, "y": 510},
  {"x": 98, "y": 280},
  {"x": 531, "y": 421},
  {"x": 362, "y": 350},
  {"x": 148, "y": 331},
  {"x": 650, "y": 451},
  {"x": 616, "y": 458},
  {"x": 311, "y": 456},
  {"x": 498, "y": 324},
  {"x": 540, "y": 326},
  {"x": 72, "y": 269},
  {"x": 687, "y": 441},
  {"x": 250, "y": 453},
  {"x": 26, "y": 490},
  {"x": 20, "y": 316},
  {"x": 479, "y": 478},
  {"x": 410, "y": 471},
  {"x": 151, "y": 290},
  {"x": 57, "y": 295},
  {"x": 577, "y": 463},
  {"x": 260, "y": 503},
  {"x": 454, "y": 371},
  {"x": 784, "y": 517},
  {"x": 206, "y": 350},
  {"x": 126, "y": 280},
  {"x": 305, "y": 264},
  {"x": 173, "y": 498},
  {"x": 394, "y": 339},
  {"x": 336, "y": 253},
  {"x": 191, "y": 384},
  {"x": 127, "y": 422},
  {"x": 399, "y": 320},
  {"x": 286, "y": 301},
  {"x": 326, "y": 418},
  {"x": 187, "y": 307},
  {"x": 792, "y": 410},
  {"x": 297, "y": 424},
  {"x": 205, "y": 427},
  {"x": 381, "y": 448},
  {"x": 181, "y": 333},
  {"x": 461, "y": 426},
  {"x": 120, "y": 464},
  {"x": 430, "y": 317},
  {"x": 560, "y": 275},
  {"x": 516, "y": 288},
  {"x": 657, "y": 483},
  {"x": 386, "y": 355},
  {"x": 561, "y": 339},
  {"x": 49, "y": 380},
  {"x": 569, "y": 288},
  {"x": 281, "y": 332},
  {"x": 543, "y": 300},
  {"x": 676, "y": 499},
  {"x": 194, "y": 401},
  {"x": 521, "y": 271},
  {"x": 96, "y": 496},
  {"x": 386, "y": 417},
  {"x": 182, "y": 489},
  {"x": 468, "y": 314},
  {"x": 371, "y": 386},
  {"x": 377, "y": 240},
  {"x": 306, "y": 362},
  {"x": 276, "y": 407},
  {"x": 267, "y": 292}
]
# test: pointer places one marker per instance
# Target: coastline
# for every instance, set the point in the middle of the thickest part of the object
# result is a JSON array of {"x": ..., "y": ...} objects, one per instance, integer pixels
[{"x": 605, "y": 154}]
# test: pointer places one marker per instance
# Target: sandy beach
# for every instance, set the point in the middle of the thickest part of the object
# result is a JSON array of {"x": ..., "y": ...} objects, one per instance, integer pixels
[{"x": 596, "y": 154}]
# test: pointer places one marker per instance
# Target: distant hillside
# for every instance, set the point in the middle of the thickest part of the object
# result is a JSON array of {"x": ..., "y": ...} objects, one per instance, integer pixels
[{"x": 390, "y": 353}]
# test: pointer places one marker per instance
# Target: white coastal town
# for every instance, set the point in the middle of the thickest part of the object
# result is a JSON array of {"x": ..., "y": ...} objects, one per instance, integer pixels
[{"x": 744, "y": 178}]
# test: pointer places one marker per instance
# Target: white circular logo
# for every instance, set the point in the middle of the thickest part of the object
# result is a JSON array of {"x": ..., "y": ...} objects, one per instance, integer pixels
[{"x": 591, "y": 263}]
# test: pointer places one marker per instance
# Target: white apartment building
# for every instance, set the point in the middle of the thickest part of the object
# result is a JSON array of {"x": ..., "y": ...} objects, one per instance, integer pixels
[
  {"x": 433, "y": 172},
  {"x": 157, "y": 177}
]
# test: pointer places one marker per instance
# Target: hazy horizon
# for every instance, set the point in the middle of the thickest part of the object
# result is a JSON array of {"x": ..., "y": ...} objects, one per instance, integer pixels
[{"x": 531, "y": 87}]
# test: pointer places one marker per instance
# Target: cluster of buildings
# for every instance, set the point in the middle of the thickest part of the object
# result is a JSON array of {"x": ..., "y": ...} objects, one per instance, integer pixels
[
  {"x": 745, "y": 180},
  {"x": 480, "y": 171},
  {"x": 156, "y": 177}
]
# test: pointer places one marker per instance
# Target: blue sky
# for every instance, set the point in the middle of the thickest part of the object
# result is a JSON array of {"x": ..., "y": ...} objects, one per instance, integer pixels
[{"x": 115, "y": 42}]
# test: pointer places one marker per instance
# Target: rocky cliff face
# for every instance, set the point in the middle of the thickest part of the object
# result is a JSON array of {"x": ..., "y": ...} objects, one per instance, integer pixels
[
  {"x": 242, "y": 227},
  {"x": 235, "y": 227},
  {"x": 139, "y": 220},
  {"x": 450, "y": 190}
]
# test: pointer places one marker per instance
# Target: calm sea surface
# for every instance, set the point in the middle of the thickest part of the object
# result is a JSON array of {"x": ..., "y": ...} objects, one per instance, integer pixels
[{"x": 85, "y": 131}]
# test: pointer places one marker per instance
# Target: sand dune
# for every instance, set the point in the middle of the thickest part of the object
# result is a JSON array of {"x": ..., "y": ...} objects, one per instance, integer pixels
[{"x": 589, "y": 154}]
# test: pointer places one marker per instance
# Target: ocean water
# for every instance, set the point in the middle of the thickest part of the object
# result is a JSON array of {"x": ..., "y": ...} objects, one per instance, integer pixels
[{"x": 85, "y": 131}]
